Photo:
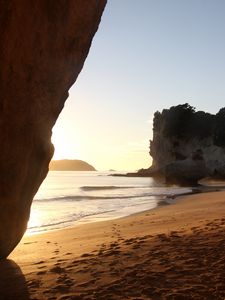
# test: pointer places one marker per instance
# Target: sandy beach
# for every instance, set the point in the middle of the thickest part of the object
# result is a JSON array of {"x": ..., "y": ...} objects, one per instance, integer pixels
[{"x": 172, "y": 252}]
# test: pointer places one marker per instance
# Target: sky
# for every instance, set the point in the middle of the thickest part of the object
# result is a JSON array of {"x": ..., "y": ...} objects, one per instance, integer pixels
[{"x": 146, "y": 56}]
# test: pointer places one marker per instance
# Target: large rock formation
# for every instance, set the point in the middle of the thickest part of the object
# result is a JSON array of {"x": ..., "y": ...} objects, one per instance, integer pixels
[
  {"x": 188, "y": 145},
  {"x": 43, "y": 45}
]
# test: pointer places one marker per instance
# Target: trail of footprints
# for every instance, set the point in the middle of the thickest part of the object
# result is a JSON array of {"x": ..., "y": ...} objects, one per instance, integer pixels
[{"x": 154, "y": 275}]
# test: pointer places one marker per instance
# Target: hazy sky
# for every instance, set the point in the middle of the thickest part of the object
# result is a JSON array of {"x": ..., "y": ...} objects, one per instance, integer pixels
[{"x": 147, "y": 55}]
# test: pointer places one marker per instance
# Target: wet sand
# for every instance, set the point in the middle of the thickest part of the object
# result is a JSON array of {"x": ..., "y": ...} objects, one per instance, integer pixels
[{"x": 172, "y": 252}]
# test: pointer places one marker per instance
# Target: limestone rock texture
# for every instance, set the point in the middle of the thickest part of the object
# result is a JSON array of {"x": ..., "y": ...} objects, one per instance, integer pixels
[
  {"x": 43, "y": 46},
  {"x": 188, "y": 145}
]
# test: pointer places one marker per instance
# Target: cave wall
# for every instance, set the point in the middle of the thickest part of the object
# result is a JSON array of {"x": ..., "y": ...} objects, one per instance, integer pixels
[{"x": 43, "y": 46}]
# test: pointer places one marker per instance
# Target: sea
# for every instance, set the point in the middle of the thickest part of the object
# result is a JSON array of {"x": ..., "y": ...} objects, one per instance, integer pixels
[{"x": 70, "y": 198}]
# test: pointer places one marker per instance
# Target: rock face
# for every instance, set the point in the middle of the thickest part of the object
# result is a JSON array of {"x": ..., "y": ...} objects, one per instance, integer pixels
[
  {"x": 188, "y": 145},
  {"x": 43, "y": 46},
  {"x": 70, "y": 165}
]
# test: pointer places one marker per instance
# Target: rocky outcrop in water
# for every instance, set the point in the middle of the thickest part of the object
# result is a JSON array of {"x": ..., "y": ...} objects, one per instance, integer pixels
[
  {"x": 43, "y": 45},
  {"x": 187, "y": 145}
]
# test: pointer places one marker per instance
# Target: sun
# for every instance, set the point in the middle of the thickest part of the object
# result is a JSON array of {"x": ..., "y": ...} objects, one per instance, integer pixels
[{"x": 65, "y": 146}]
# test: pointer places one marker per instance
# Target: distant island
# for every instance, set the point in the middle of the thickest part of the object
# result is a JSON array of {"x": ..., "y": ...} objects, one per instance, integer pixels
[{"x": 70, "y": 165}]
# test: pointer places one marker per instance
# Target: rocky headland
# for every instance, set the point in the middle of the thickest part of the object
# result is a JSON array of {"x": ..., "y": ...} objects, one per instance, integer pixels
[
  {"x": 70, "y": 165},
  {"x": 187, "y": 145}
]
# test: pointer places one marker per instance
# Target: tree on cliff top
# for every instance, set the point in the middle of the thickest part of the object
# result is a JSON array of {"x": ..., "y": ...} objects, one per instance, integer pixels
[
  {"x": 219, "y": 131},
  {"x": 177, "y": 120},
  {"x": 183, "y": 122}
]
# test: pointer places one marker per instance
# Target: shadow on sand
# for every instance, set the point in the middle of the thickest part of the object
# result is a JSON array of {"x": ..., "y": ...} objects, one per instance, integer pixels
[{"x": 12, "y": 281}]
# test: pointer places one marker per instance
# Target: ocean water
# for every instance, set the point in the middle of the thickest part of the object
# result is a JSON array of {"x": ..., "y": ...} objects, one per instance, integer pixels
[{"x": 69, "y": 198}]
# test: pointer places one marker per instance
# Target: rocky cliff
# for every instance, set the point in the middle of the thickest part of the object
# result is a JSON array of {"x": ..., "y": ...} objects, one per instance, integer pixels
[
  {"x": 43, "y": 45},
  {"x": 188, "y": 145}
]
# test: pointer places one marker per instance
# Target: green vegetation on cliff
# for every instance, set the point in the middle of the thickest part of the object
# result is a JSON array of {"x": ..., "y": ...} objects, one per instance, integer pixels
[{"x": 184, "y": 122}]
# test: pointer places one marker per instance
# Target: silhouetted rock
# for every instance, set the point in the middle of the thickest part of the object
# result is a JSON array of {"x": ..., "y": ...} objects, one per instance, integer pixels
[
  {"x": 185, "y": 172},
  {"x": 187, "y": 145},
  {"x": 43, "y": 45},
  {"x": 70, "y": 165}
]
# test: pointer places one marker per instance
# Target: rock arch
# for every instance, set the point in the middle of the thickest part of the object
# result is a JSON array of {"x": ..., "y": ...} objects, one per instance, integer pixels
[{"x": 43, "y": 46}]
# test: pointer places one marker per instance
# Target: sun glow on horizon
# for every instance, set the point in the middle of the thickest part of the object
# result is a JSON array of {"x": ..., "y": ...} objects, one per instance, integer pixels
[
  {"x": 102, "y": 155},
  {"x": 66, "y": 147}
]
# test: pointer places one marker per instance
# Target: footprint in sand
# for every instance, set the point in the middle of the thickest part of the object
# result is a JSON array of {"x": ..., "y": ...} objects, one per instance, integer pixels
[
  {"x": 87, "y": 283},
  {"x": 114, "y": 244},
  {"x": 62, "y": 288},
  {"x": 39, "y": 262},
  {"x": 41, "y": 272},
  {"x": 113, "y": 252},
  {"x": 57, "y": 269},
  {"x": 64, "y": 279},
  {"x": 136, "y": 246},
  {"x": 96, "y": 274},
  {"x": 86, "y": 255},
  {"x": 41, "y": 267},
  {"x": 34, "y": 284}
]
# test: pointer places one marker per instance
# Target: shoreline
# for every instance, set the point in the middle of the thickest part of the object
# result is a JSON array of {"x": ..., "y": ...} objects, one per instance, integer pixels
[
  {"x": 170, "y": 252},
  {"x": 162, "y": 200}
]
